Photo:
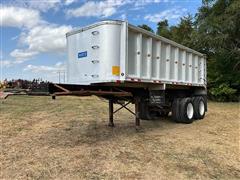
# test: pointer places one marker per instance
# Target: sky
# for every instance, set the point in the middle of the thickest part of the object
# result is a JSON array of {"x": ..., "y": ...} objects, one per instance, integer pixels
[{"x": 33, "y": 41}]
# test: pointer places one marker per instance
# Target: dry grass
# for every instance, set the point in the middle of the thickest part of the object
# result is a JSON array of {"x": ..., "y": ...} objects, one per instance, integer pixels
[{"x": 69, "y": 139}]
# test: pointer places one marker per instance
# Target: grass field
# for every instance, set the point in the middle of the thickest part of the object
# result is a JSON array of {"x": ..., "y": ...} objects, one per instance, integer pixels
[{"x": 69, "y": 139}]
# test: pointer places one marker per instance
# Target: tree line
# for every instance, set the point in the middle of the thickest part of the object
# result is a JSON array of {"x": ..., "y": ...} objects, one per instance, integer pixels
[{"x": 215, "y": 31}]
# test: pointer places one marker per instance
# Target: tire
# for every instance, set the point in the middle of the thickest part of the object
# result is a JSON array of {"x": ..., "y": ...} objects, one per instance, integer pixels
[
  {"x": 175, "y": 110},
  {"x": 205, "y": 101},
  {"x": 199, "y": 104},
  {"x": 186, "y": 111}
]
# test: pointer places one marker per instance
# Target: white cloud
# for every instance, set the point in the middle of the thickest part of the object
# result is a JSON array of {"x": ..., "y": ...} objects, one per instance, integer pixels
[
  {"x": 42, "y": 39},
  {"x": 8, "y": 63},
  {"x": 19, "y": 17},
  {"x": 68, "y": 2},
  {"x": 41, "y": 5},
  {"x": 37, "y": 36},
  {"x": 97, "y": 8},
  {"x": 45, "y": 69},
  {"x": 169, "y": 14},
  {"x": 23, "y": 55},
  {"x": 141, "y": 3},
  {"x": 44, "y": 5},
  {"x": 123, "y": 17},
  {"x": 53, "y": 73},
  {"x": 5, "y": 63},
  {"x": 107, "y": 8}
]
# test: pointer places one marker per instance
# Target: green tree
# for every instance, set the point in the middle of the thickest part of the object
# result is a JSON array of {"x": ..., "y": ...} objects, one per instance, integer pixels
[
  {"x": 183, "y": 32},
  {"x": 218, "y": 35},
  {"x": 146, "y": 27},
  {"x": 163, "y": 29}
]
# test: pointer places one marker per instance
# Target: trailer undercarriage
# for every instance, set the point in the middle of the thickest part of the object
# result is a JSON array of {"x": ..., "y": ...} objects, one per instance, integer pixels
[{"x": 149, "y": 104}]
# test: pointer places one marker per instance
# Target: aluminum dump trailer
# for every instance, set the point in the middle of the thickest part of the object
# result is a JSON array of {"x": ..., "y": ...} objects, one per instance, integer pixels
[
  {"x": 111, "y": 51},
  {"x": 156, "y": 74}
]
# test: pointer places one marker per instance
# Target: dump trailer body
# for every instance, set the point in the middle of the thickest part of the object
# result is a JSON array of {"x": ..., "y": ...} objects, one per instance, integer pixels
[{"x": 115, "y": 51}]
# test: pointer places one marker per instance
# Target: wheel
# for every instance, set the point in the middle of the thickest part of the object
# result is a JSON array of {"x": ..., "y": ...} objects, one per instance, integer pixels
[
  {"x": 175, "y": 109},
  {"x": 199, "y": 105},
  {"x": 186, "y": 111}
]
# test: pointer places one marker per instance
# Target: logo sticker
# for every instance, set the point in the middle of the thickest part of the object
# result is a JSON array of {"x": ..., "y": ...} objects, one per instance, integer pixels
[{"x": 82, "y": 54}]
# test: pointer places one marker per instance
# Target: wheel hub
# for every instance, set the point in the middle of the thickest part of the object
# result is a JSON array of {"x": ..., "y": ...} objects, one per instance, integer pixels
[
  {"x": 190, "y": 110},
  {"x": 201, "y": 108}
]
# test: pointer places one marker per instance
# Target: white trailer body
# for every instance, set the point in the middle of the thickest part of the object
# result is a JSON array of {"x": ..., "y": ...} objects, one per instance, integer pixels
[{"x": 115, "y": 51}]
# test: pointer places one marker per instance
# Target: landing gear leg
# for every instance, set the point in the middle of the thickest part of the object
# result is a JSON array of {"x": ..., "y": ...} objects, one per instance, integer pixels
[
  {"x": 137, "y": 119},
  {"x": 111, "y": 124}
]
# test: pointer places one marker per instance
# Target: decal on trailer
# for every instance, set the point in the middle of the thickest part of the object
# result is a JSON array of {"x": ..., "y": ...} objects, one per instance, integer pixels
[
  {"x": 116, "y": 70},
  {"x": 82, "y": 54}
]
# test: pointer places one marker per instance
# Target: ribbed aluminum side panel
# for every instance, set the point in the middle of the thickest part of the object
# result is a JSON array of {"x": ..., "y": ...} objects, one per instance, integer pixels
[{"x": 152, "y": 59}]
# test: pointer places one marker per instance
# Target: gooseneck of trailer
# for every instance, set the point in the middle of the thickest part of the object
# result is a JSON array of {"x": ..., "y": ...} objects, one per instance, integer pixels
[{"x": 126, "y": 64}]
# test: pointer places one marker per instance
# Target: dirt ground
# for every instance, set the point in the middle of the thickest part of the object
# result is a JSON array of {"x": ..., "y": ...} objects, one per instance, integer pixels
[{"x": 69, "y": 139}]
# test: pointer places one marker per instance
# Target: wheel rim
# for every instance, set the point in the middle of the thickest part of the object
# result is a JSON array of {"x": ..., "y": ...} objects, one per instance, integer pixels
[
  {"x": 201, "y": 108},
  {"x": 189, "y": 110}
]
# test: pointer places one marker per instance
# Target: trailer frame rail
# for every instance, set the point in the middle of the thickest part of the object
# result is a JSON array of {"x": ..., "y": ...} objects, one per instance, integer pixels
[{"x": 112, "y": 95}]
